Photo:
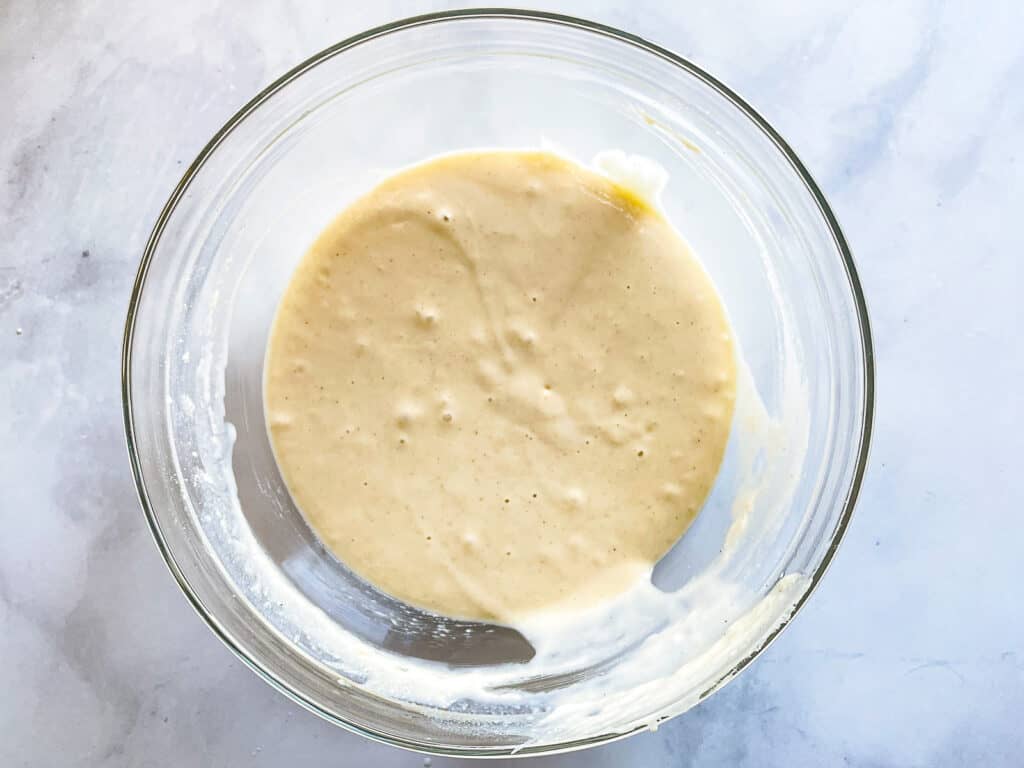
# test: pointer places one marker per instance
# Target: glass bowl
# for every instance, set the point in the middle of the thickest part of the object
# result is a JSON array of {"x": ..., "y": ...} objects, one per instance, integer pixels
[{"x": 243, "y": 215}]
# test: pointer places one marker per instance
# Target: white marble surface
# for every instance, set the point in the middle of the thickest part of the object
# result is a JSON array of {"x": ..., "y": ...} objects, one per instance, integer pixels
[{"x": 910, "y": 115}]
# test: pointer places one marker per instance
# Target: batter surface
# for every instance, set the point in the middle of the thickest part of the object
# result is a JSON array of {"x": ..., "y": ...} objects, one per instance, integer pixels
[{"x": 500, "y": 383}]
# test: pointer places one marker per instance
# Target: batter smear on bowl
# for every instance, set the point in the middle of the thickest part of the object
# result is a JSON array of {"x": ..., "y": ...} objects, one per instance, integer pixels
[{"x": 500, "y": 383}]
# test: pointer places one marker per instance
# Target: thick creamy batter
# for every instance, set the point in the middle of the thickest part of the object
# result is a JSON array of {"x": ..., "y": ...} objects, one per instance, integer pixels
[{"x": 500, "y": 383}]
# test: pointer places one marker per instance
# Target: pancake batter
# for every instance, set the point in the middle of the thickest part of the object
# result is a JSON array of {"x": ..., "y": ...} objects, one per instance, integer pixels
[{"x": 500, "y": 383}]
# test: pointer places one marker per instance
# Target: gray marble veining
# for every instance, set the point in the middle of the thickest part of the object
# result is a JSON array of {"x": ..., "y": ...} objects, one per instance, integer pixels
[{"x": 910, "y": 114}]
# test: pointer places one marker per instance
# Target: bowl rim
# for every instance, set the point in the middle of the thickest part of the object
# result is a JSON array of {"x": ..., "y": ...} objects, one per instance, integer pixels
[{"x": 867, "y": 359}]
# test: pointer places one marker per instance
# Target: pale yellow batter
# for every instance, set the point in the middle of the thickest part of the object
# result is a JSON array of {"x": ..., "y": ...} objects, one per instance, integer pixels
[{"x": 500, "y": 383}]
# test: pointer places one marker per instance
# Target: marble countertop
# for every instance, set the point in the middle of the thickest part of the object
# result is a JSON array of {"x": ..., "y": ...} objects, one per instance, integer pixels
[{"x": 909, "y": 114}]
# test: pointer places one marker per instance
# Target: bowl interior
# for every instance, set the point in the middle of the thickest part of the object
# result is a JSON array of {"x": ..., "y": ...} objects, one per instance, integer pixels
[{"x": 222, "y": 255}]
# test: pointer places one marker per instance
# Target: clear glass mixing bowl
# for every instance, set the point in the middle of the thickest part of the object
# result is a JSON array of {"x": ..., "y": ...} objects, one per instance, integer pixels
[{"x": 266, "y": 184}]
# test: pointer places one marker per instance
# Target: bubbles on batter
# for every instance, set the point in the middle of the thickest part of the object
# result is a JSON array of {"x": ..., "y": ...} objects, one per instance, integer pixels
[
  {"x": 407, "y": 412},
  {"x": 671, "y": 491},
  {"x": 427, "y": 316},
  {"x": 522, "y": 335},
  {"x": 622, "y": 395},
  {"x": 281, "y": 419},
  {"x": 575, "y": 497}
]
